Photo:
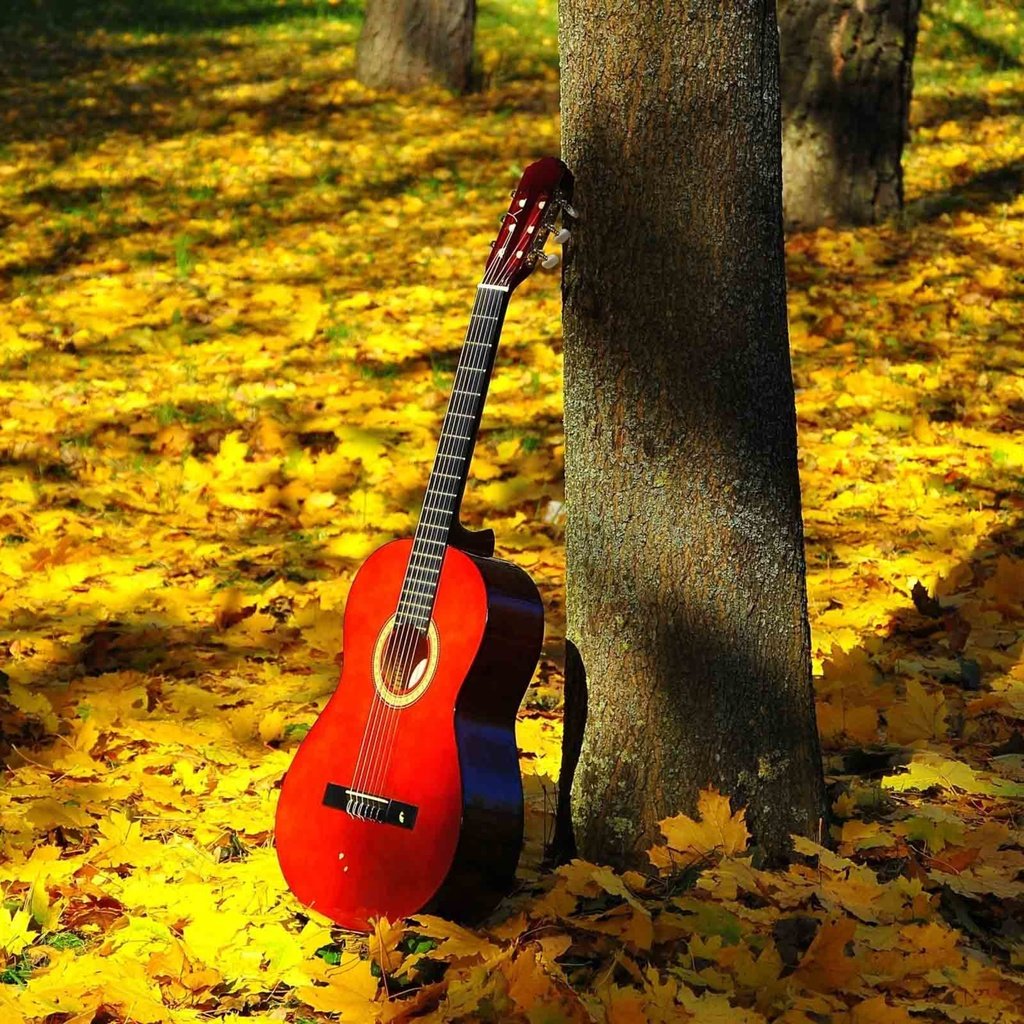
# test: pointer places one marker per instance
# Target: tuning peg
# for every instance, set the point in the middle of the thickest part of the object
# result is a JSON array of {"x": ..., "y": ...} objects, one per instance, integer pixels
[
  {"x": 550, "y": 260},
  {"x": 562, "y": 236},
  {"x": 569, "y": 210}
]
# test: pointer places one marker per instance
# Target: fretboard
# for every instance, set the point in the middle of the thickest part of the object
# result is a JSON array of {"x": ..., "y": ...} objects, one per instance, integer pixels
[{"x": 454, "y": 451}]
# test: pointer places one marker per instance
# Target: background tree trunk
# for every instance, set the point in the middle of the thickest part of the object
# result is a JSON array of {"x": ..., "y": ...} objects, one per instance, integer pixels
[
  {"x": 846, "y": 83},
  {"x": 406, "y": 44},
  {"x": 684, "y": 546}
]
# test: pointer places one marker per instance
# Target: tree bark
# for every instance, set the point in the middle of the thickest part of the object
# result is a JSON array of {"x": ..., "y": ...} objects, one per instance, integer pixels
[
  {"x": 684, "y": 547},
  {"x": 406, "y": 44},
  {"x": 846, "y": 83}
]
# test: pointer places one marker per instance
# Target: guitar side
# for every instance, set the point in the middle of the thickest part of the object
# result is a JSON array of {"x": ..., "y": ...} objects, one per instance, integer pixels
[
  {"x": 451, "y": 767},
  {"x": 491, "y": 834}
]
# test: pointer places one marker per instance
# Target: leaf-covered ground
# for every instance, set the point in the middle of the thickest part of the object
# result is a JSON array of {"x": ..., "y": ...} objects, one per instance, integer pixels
[{"x": 234, "y": 285}]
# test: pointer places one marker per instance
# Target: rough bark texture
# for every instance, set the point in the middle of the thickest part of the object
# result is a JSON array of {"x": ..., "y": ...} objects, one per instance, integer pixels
[
  {"x": 406, "y": 44},
  {"x": 684, "y": 547},
  {"x": 846, "y": 83}
]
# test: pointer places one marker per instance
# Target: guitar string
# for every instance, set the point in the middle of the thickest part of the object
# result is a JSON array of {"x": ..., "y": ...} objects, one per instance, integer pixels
[
  {"x": 392, "y": 715},
  {"x": 397, "y": 660},
  {"x": 381, "y": 711},
  {"x": 384, "y": 724},
  {"x": 383, "y": 720},
  {"x": 383, "y": 714},
  {"x": 393, "y": 718},
  {"x": 419, "y": 573}
]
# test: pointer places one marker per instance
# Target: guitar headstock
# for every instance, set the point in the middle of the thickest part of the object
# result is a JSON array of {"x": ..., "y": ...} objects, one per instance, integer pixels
[{"x": 543, "y": 193}]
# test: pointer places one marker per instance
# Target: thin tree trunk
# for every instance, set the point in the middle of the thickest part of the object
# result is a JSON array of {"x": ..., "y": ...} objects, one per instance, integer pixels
[
  {"x": 684, "y": 547},
  {"x": 406, "y": 44},
  {"x": 846, "y": 84}
]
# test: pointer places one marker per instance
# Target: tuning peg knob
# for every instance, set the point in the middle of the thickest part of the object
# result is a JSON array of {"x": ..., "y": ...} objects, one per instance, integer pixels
[
  {"x": 550, "y": 260},
  {"x": 570, "y": 211},
  {"x": 563, "y": 236}
]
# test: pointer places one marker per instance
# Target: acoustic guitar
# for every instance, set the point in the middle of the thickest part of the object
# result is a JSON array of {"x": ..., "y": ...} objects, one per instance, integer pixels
[{"x": 405, "y": 795}]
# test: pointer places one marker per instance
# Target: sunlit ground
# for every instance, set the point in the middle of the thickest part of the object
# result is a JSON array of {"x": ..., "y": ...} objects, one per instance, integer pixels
[{"x": 234, "y": 287}]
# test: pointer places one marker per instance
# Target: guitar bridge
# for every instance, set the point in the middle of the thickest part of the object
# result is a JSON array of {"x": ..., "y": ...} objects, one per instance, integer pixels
[{"x": 369, "y": 806}]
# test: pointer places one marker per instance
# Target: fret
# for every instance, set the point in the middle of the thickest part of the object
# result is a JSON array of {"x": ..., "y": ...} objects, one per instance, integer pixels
[
  {"x": 432, "y": 570},
  {"x": 448, "y": 478},
  {"x": 429, "y": 575},
  {"x": 426, "y": 554},
  {"x": 429, "y": 591},
  {"x": 435, "y": 558},
  {"x": 408, "y": 593},
  {"x": 420, "y": 621},
  {"x": 427, "y": 583}
]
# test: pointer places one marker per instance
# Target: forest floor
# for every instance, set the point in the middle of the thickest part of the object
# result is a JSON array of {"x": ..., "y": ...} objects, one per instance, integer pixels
[{"x": 234, "y": 285}]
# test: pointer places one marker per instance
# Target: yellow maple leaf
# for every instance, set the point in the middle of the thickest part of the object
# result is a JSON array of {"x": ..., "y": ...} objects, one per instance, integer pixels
[
  {"x": 1006, "y": 586},
  {"x": 538, "y": 995},
  {"x": 922, "y": 716},
  {"x": 14, "y": 930},
  {"x": 825, "y": 966},
  {"x": 624, "y": 1005},
  {"x": 271, "y": 726},
  {"x": 34, "y": 704},
  {"x": 877, "y": 1010},
  {"x": 455, "y": 943},
  {"x": 45, "y": 912},
  {"x": 716, "y": 830},
  {"x": 384, "y": 941},
  {"x": 122, "y": 843},
  {"x": 836, "y": 719},
  {"x": 715, "y": 1008},
  {"x": 351, "y": 990}
]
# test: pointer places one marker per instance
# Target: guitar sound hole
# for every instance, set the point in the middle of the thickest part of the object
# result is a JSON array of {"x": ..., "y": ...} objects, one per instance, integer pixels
[{"x": 406, "y": 653}]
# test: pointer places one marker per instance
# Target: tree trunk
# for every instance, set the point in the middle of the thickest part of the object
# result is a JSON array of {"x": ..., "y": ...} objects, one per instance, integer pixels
[
  {"x": 846, "y": 82},
  {"x": 684, "y": 545},
  {"x": 406, "y": 44}
]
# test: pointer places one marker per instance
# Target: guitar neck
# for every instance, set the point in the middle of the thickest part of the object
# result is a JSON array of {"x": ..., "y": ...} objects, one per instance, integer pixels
[{"x": 448, "y": 476}]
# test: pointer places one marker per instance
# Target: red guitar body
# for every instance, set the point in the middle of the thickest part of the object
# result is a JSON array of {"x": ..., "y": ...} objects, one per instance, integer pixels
[{"x": 385, "y": 810}]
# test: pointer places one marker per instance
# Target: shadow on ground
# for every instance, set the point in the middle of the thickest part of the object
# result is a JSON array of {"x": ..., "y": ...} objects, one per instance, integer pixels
[{"x": 977, "y": 194}]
